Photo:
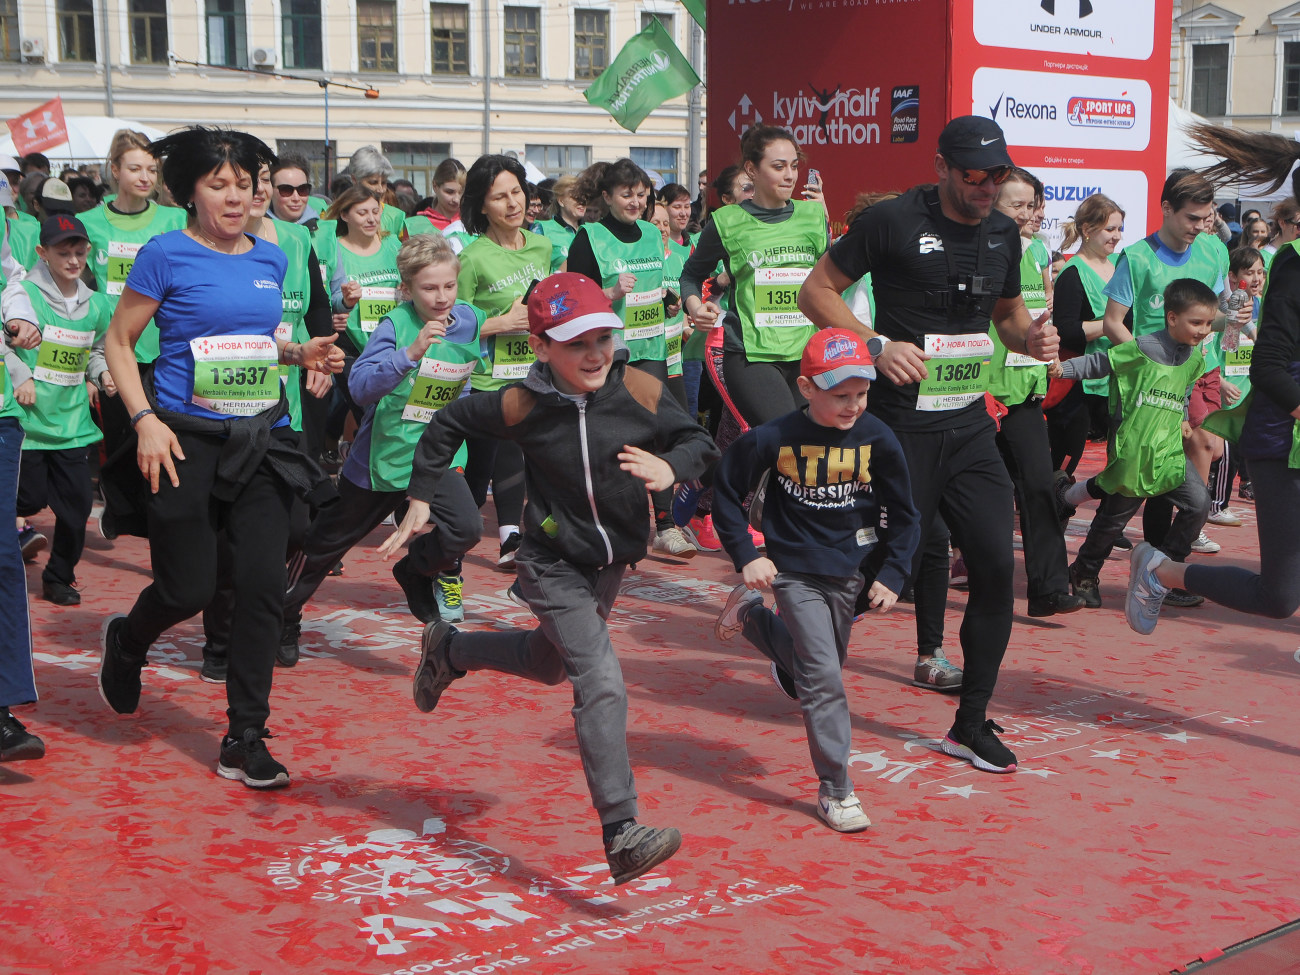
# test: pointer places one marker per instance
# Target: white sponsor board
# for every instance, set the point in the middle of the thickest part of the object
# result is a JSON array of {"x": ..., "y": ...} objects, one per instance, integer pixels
[
  {"x": 1069, "y": 111},
  {"x": 1065, "y": 189},
  {"x": 1106, "y": 28}
]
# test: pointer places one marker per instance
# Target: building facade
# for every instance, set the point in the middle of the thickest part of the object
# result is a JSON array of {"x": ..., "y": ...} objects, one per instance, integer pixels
[
  {"x": 1237, "y": 62},
  {"x": 429, "y": 79}
]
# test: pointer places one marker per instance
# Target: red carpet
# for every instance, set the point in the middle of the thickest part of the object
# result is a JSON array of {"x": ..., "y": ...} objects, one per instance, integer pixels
[{"x": 1152, "y": 820}]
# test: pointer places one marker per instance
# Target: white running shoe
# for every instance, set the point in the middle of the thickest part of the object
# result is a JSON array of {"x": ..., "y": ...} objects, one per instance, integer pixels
[
  {"x": 1204, "y": 545},
  {"x": 843, "y": 815},
  {"x": 1146, "y": 594},
  {"x": 732, "y": 618},
  {"x": 1227, "y": 518},
  {"x": 672, "y": 542}
]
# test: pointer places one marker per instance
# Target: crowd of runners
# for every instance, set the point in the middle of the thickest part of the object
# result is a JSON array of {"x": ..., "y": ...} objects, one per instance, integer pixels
[{"x": 255, "y": 373}]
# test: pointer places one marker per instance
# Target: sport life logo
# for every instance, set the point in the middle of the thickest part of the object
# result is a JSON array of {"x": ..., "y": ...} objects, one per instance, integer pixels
[{"x": 1102, "y": 113}]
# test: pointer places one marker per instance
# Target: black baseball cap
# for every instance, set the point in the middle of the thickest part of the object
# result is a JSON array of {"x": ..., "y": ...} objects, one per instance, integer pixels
[
  {"x": 974, "y": 142},
  {"x": 61, "y": 227}
]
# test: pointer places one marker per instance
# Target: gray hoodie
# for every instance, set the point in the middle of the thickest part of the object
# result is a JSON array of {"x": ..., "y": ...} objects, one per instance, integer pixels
[{"x": 15, "y": 303}]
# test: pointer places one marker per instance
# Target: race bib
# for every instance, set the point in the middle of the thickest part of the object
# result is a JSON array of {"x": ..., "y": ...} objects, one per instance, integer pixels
[
  {"x": 235, "y": 375},
  {"x": 283, "y": 333},
  {"x": 776, "y": 297},
  {"x": 375, "y": 303},
  {"x": 959, "y": 371},
  {"x": 121, "y": 256},
  {"x": 1017, "y": 360},
  {"x": 674, "y": 360},
  {"x": 438, "y": 384},
  {"x": 643, "y": 315},
  {"x": 511, "y": 356},
  {"x": 62, "y": 357},
  {"x": 1236, "y": 362}
]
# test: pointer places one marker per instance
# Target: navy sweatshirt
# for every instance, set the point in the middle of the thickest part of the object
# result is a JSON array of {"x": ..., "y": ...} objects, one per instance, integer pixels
[{"x": 823, "y": 508}]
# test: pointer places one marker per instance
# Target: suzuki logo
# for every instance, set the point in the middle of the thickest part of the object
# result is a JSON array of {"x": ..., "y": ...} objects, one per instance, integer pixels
[{"x": 1085, "y": 7}]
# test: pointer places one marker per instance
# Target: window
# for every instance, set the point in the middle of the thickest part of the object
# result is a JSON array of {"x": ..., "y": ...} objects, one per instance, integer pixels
[
  {"x": 1210, "y": 79},
  {"x": 227, "y": 33},
  {"x": 377, "y": 35},
  {"x": 148, "y": 21},
  {"x": 557, "y": 161},
  {"x": 1291, "y": 78},
  {"x": 661, "y": 161},
  {"x": 450, "y": 48},
  {"x": 665, "y": 19},
  {"x": 313, "y": 150},
  {"x": 590, "y": 42},
  {"x": 9, "y": 39},
  {"x": 416, "y": 161},
  {"x": 76, "y": 26},
  {"x": 302, "y": 33},
  {"x": 523, "y": 42}
]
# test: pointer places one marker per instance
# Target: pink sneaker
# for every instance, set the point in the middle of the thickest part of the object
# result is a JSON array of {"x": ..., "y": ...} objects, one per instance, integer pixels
[
  {"x": 757, "y": 536},
  {"x": 700, "y": 531}
]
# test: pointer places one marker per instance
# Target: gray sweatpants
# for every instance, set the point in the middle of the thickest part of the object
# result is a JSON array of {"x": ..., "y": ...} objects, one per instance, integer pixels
[
  {"x": 810, "y": 641},
  {"x": 571, "y": 605}
]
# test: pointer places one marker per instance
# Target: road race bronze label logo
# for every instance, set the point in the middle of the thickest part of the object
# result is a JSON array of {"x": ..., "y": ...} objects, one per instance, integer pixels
[{"x": 905, "y": 113}]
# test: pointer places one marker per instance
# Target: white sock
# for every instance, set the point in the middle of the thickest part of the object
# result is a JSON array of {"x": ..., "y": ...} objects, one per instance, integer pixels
[
  {"x": 1077, "y": 493},
  {"x": 505, "y": 531}
]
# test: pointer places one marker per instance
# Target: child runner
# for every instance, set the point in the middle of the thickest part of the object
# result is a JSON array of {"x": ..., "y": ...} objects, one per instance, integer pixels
[
  {"x": 1150, "y": 386},
  {"x": 50, "y": 383},
  {"x": 831, "y": 468},
  {"x": 416, "y": 362},
  {"x": 595, "y": 435}
]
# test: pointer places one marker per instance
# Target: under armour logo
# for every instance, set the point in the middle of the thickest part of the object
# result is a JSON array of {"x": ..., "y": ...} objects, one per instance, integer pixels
[
  {"x": 1085, "y": 7},
  {"x": 46, "y": 120}
]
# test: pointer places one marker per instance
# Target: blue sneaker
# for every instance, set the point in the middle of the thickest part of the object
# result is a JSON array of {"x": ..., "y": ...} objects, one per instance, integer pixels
[
  {"x": 448, "y": 590},
  {"x": 684, "y": 502},
  {"x": 1146, "y": 594}
]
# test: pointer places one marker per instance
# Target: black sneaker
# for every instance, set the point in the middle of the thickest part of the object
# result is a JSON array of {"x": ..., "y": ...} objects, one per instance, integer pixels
[
  {"x": 435, "y": 672},
  {"x": 17, "y": 744},
  {"x": 119, "y": 675},
  {"x": 1055, "y": 604},
  {"x": 330, "y": 461},
  {"x": 506, "y": 560},
  {"x": 286, "y": 654},
  {"x": 59, "y": 593},
  {"x": 1182, "y": 598},
  {"x": 1086, "y": 587},
  {"x": 420, "y": 598},
  {"x": 1124, "y": 543},
  {"x": 639, "y": 848},
  {"x": 247, "y": 760},
  {"x": 979, "y": 745},
  {"x": 216, "y": 664},
  {"x": 1061, "y": 483},
  {"x": 31, "y": 542},
  {"x": 337, "y": 570}
]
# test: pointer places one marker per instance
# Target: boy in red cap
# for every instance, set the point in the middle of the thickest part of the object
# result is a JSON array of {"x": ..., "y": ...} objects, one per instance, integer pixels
[
  {"x": 595, "y": 435},
  {"x": 820, "y": 476}
]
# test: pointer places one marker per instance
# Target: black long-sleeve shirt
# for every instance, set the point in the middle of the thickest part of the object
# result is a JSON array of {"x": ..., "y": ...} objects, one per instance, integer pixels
[
  {"x": 1274, "y": 365},
  {"x": 1070, "y": 309}
]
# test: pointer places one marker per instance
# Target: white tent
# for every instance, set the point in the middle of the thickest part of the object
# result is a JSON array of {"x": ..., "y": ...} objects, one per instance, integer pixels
[{"x": 89, "y": 137}]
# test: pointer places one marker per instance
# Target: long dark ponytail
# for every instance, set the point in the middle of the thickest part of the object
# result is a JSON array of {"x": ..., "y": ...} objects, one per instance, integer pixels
[{"x": 1257, "y": 158}]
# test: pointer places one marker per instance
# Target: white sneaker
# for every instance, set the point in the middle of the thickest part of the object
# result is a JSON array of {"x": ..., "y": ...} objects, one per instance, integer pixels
[
  {"x": 844, "y": 815},
  {"x": 672, "y": 542},
  {"x": 1227, "y": 518},
  {"x": 731, "y": 619},
  {"x": 1205, "y": 545}
]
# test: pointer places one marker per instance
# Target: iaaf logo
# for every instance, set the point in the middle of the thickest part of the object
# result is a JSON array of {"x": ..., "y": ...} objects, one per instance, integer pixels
[
  {"x": 1011, "y": 107},
  {"x": 1106, "y": 113},
  {"x": 831, "y": 116}
]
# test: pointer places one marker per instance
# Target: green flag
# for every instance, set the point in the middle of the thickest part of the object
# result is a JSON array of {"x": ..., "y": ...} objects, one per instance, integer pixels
[
  {"x": 696, "y": 9},
  {"x": 647, "y": 72}
]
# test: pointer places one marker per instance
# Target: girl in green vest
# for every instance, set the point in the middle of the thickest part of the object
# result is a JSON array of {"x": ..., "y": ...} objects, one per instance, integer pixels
[
  {"x": 561, "y": 226},
  {"x": 496, "y": 269},
  {"x": 367, "y": 256},
  {"x": 49, "y": 382},
  {"x": 291, "y": 192},
  {"x": 768, "y": 246},
  {"x": 676, "y": 329},
  {"x": 419, "y": 359},
  {"x": 624, "y": 252}
]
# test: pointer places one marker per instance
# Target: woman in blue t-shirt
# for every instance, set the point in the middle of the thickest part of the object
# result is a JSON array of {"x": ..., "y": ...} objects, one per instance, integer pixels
[{"x": 213, "y": 433}]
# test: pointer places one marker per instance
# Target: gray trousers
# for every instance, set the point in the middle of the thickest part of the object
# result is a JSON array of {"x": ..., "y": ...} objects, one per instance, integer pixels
[
  {"x": 1191, "y": 498},
  {"x": 810, "y": 641},
  {"x": 571, "y": 605}
]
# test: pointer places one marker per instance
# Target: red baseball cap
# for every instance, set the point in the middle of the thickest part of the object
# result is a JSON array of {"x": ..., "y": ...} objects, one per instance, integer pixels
[
  {"x": 563, "y": 306},
  {"x": 833, "y": 355}
]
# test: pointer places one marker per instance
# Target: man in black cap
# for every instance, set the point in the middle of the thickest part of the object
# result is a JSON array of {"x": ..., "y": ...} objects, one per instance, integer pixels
[{"x": 944, "y": 264}]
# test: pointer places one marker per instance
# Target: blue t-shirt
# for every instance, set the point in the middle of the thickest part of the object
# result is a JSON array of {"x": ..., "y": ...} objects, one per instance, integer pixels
[
  {"x": 204, "y": 294},
  {"x": 1120, "y": 286}
]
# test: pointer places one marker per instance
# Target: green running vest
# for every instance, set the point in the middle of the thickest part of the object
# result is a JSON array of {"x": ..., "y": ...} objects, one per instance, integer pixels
[
  {"x": 1014, "y": 377},
  {"x": 642, "y": 310}
]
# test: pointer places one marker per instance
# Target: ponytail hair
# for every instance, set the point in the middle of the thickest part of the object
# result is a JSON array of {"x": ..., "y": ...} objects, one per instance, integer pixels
[
  {"x": 1259, "y": 158},
  {"x": 606, "y": 177},
  {"x": 1091, "y": 215}
]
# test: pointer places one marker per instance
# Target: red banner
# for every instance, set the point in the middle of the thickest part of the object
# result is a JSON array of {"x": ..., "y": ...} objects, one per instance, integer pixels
[{"x": 40, "y": 129}]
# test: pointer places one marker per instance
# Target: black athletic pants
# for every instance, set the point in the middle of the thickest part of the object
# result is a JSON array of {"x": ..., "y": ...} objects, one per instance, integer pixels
[
  {"x": 762, "y": 391},
  {"x": 1028, "y": 456},
  {"x": 59, "y": 480}
]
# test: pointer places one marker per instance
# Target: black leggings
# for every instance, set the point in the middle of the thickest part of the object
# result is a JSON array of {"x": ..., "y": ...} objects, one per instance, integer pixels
[
  {"x": 1275, "y": 590},
  {"x": 1067, "y": 429},
  {"x": 762, "y": 391}
]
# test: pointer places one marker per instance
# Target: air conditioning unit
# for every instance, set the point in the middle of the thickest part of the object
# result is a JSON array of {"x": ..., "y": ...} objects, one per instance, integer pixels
[
  {"x": 33, "y": 49},
  {"x": 262, "y": 57}
]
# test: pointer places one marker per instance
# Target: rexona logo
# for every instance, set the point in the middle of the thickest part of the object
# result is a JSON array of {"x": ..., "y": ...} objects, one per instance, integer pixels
[
  {"x": 836, "y": 116},
  {"x": 1012, "y": 107},
  {"x": 1104, "y": 113}
]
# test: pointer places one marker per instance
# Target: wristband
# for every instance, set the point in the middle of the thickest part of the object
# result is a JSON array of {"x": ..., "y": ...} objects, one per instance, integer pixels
[{"x": 140, "y": 416}]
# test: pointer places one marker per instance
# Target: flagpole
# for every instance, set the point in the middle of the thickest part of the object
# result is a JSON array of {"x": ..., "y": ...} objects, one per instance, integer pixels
[
  {"x": 693, "y": 112},
  {"x": 108, "y": 60}
]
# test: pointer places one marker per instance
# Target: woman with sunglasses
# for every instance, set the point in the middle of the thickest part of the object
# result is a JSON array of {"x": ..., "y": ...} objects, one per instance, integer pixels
[{"x": 291, "y": 192}]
